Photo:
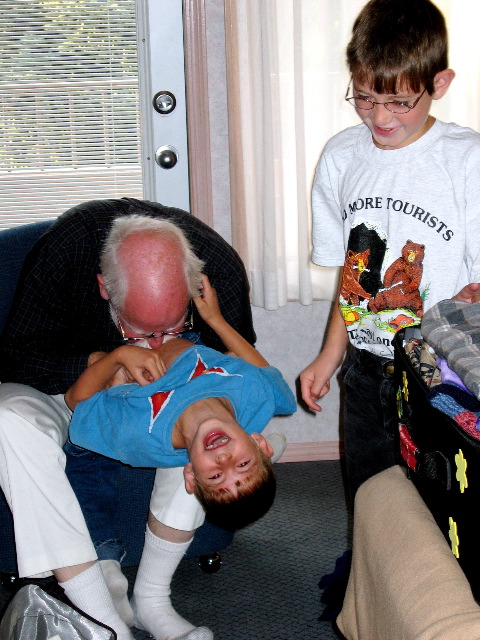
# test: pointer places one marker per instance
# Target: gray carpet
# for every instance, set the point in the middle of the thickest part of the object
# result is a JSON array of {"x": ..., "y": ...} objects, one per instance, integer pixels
[{"x": 267, "y": 587}]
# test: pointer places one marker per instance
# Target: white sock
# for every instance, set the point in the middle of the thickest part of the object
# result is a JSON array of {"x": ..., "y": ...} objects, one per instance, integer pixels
[
  {"x": 117, "y": 584},
  {"x": 151, "y": 594},
  {"x": 278, "y": 442},
  {"x": 89, "y": 592}
]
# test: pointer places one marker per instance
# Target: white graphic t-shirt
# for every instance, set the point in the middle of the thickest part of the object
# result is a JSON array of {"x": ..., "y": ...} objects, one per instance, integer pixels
[{"x": 404, "y": 223}]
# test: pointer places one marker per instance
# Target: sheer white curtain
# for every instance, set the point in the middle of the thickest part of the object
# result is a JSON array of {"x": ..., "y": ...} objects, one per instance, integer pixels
[{"x": 287, "y": 79}]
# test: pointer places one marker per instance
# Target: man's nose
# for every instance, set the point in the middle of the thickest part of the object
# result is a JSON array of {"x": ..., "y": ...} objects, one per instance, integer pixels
[{"x": 155, "y": 342}]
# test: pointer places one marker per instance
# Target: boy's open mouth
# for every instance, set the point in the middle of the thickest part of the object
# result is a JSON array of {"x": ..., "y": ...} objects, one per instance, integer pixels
[
  {"x": 385, "y": 132},
  {"x": 215, "y": 440}
]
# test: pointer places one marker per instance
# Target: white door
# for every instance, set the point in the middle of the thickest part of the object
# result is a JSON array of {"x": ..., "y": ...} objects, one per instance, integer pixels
[
  {"x": 163, "y": 102},
  {"x": 69, "y": 112}
]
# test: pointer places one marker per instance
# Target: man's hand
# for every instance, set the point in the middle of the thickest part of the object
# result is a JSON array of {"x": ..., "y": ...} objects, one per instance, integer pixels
[{"x": 470, "y": 293}]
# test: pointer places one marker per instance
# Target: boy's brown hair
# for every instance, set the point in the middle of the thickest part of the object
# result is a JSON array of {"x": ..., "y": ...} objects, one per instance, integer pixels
[
  {"x": 398, "y": 45},
  {"x": 252, "y": 501}
]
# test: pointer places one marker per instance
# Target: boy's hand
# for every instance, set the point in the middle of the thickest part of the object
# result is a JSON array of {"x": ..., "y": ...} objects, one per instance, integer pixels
[
  {"x": 209, "y": 310},
  {"x": 137, "y": 364},
  {"x": 314, "y": 386},
  {"x": 469, "y": 293},
  {"x": 121, "y": 377},
  {"x": 315, "y": 379},
  {"x": 95, "y": 356},
  {"x": 207, "y": 303}
]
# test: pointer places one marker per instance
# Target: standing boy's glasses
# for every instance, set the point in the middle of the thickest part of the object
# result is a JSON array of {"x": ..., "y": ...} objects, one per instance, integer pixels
[
  {"x": 367, "y": 104},
  {"x": 188, "y": 326}
]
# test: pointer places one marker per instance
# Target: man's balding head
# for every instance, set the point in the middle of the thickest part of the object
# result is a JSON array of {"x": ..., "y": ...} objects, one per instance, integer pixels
[{"x": 148, "y": 272}]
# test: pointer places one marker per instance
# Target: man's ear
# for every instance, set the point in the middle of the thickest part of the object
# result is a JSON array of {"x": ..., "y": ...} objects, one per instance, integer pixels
[
  {"x": 101, "y": 286},
  {"x": 441, "y": 82},
  {"x": 189, "y": 477},
  {"x": 263, "y": 444}
]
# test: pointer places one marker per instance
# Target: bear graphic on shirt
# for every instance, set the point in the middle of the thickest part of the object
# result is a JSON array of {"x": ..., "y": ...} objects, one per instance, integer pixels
[
  {"x": 355, "y": 265},
  {"x": 401, "y": 282}
]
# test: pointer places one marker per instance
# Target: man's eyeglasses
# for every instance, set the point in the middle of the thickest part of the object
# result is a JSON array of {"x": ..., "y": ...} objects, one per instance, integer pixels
[
  {"x": 367, "y": 104},
  {"x": 187, "y": 326}
]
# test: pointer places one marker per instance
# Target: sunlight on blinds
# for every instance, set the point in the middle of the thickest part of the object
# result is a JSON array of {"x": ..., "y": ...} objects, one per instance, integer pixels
[{"x": 68, "y": 106}]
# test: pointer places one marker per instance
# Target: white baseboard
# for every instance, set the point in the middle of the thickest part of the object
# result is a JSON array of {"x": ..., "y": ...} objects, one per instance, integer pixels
[{"x": 311, "y": 451}]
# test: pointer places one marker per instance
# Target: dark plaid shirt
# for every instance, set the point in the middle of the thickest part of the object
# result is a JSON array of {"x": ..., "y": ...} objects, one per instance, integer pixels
[{"x": 58, "y": 316}]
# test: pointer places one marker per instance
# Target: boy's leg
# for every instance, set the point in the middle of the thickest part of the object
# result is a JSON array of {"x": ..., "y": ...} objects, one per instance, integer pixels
[
  {"x": 86, "y": 588},
  {"x": 278, "y": 442},
  {"x": 94, "y": 480},
  {"x": 163, "y": 550},
  {"x": 370, "y": 423},
  {"x": 170, "y": 503},
  {"x": 174, "y": 517},
  {"x": 117, "y": 584},
  {"x": 179, "y": 512}
]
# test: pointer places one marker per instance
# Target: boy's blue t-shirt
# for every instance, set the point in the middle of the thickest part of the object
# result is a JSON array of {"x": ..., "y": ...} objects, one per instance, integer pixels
[{"x": 134, "y": 424}]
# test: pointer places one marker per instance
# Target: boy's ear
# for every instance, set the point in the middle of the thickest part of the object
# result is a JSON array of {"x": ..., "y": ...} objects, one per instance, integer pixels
[
  {"x": 441, "y": 82},
  {"x": 101, "y": 286},
  {"x": 189, "y": 477},
  {"x": 263, "y": 444}
]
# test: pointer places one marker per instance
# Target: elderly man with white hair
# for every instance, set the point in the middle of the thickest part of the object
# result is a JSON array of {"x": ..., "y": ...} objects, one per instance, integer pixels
[{"x": 106, "y": 273}]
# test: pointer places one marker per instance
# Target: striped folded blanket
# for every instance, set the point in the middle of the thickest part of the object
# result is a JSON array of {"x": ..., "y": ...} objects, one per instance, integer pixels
[{"x": 461, "y": 406}]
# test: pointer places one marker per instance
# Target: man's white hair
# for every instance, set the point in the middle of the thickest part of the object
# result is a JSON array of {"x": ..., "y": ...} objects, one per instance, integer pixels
[{"x": 113, "y": 272}]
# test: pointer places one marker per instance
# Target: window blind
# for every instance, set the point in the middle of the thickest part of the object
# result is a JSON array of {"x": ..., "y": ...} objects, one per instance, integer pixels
[{"x": 69, "y": 114}]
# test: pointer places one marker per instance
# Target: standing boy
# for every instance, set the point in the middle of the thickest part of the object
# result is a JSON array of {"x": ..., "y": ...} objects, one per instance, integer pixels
[{"x": 396, "y": 201}]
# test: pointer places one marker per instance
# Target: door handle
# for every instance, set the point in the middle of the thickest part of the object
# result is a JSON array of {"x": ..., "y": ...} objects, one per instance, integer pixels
[{"x": 166, "y": 156}]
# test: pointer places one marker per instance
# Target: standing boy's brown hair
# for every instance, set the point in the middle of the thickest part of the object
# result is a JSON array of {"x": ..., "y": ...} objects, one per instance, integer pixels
[{"x": 397, "y": 45}]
